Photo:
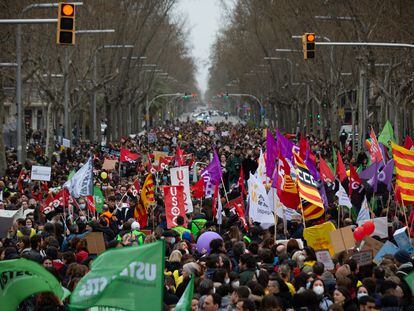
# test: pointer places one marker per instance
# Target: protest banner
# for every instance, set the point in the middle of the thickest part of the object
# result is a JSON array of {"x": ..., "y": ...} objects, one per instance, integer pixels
[
  {"x": 318, "y": 236},
  {"x": 363, "y": 258},
  {"x": 42, "y": 173},
  {"x": 129, "y": 278},
  {"x": 174, "y": 204},
  {"x": 387, "y": 249},
  {"x": 96, "y": 243},
  {"x": 342, "y": 239},
  {"x": 324, "y": 256},
  {"x": 180, "y": 177},
  {"x": 109, "y": 165},
  {"x": 66, "y": 143},
  {"x": 371, "y": 244}
]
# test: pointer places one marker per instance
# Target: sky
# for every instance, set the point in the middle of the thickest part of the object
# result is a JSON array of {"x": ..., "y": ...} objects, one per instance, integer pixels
[{"x": 203, "y": 21}]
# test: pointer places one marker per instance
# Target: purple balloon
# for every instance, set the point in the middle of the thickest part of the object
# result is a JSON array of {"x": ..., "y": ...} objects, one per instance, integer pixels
[{"x": 203, "y": 242}]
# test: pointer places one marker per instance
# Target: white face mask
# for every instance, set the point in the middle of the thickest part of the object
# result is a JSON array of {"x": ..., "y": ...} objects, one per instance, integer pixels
[
  {"x": 227, "y": 281},
  {"x": 82, "y": 205},
  {"x": 172, "y": 241},
  {"x": 318, "y": 290},
  {"x": 360, "y": 295},
  {"x": 235, "y": 284}
]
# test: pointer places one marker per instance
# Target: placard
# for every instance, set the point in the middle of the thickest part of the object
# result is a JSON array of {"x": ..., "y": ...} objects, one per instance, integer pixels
[
  {"x": 66, "y": 143},
  {"x": 96, "y": 243},
  {"x": 342, "y": 239},
  {"x": 7, "y": 219},
  {"x": 317, "y": 236},
  {"x": 41, "y": 173},
  {"x": 402, "y": 240},
  {"x": 152, "y": 138},
  {"x": 109, "y": 165},
  {"x": 363, "y": 258},
  {"x": 387, "y": 248},
  {"x": 372, "y": 244},
  {"x": 324, "y": 256}
]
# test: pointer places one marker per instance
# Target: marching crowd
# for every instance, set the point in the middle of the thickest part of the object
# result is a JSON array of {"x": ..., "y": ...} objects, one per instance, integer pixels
[{"x": 249, "y": 268}]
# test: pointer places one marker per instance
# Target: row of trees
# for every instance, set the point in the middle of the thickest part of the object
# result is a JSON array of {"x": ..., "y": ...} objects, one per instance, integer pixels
[
  {"x": 366, "y": 84},
  {"x": 159, "y": 62}
]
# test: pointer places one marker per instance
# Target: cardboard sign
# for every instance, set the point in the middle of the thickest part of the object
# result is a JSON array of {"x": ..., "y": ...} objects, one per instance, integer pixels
[
  {"x": 7, "y": 219},
  {"x": 96, "y": 243},
  {"x": 372, "y": 244},
  {"x": 342, "y": 239},
  {"x": 109, "y": 165},
  {"x": 66, "y": 143},
  {"x": 41, "y": 173},
  {"x": 387, "y": 248},
  {"x": 402, "y": 240},
  {"x": 325, "y": 257},
  {"x": 363, "y": 258}
]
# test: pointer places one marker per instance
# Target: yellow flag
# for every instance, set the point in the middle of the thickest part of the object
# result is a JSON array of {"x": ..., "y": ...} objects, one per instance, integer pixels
[{"x": 147, "y": 192}]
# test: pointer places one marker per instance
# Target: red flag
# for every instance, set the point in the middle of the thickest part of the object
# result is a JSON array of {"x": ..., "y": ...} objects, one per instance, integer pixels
[
  {"x": 303, "y": 146},
  {"x": 238, "y": 205},
  {"x": 374, "y": 150},
  {"x": 214, "y": 203},
  {"x": 327, "y": 175},
  {"x": 63, "y": 197},
  {"x": 198, "y": 189},
  {"x": 286, "y": 187},
  {"x": 408, "y": 142},
  {"x": 179, "y": 156},
  {"x": 134, "y": 189},
  {"x": 355, "y": 181},
  {"x": 48, "y": 202},
  {"x": 340, "y": 168},
  {"x": 141, "y": 214},
  {"x": 242, "y": 186},
  {"x": 20, "y": 179},
  {"x": 174, "y": 204},
  {"x": 164, "y": 163},
  {"x": 90, "y": 204},
  {"x": 128, "y": 156}
]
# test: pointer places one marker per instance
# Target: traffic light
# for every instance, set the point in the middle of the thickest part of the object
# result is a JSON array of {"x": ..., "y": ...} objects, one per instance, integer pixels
[
  {"x": 226, "y": 95},
  {"x": 66, "y": 24},
  {"x": 308, "y": 42},
  {"x": 186, "y": 96}
]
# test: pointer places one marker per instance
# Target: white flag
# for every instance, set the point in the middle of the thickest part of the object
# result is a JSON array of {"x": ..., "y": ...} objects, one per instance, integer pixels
[
  {"x": 364, "y": 211},
  {"x": 343, "y": 199},
  {"x": 219, "y": 210},
  {"x": 81, "y": 184},
  {"x": 260, "y": 173},
  {"x": 260, "y": 209}
]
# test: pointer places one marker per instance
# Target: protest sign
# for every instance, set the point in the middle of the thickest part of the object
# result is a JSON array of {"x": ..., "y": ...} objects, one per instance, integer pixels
[
  {"x": 387, "y": 249},
  {"x": 324, "y": 256},
  {"x": 41, "y": 173},
  {"x": 402, "y": 240},
  {"x": 381, "y": 226},
  {"x": 152, "y": 138},
  {"x": 180, "y": 177},
  {"x": 371, "y": 244},
  {"x": 7, "y": 219},
  {"x": 66, "y": 143},
  {"x": 96, "y": 243},
  {"x": 259, "y": 207},
  {"x": 111, "y": 152},
  {"x": 109, "y": 165},
  {"x": 342, "y": 239},
  {"x": 225, "y": 133},
  {"x": 129, "y": 278},
  {"x": 363, "y": 258},
  {"x": 318, "y": 236},
  {"x": 174, "y": 204}
]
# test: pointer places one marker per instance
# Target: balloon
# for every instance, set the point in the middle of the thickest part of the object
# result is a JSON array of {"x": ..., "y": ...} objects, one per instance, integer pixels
[
  {"x": 104, "y": 175},
  {"x": 203, "y": 242},
  {"x": 359, "y": 233},
  {"x": 369, "y": 227}
]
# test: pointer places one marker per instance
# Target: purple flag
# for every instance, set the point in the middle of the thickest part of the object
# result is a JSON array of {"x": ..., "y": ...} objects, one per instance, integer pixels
[
  {"x": 285, "y": 146},
  {"x": 369, "y": 172},
  {"x": 373, "y": 181},
  {"x": 271, "y": 154},
  {"x": 212, "y": 175},
  {"x": 385, "y": 176}
]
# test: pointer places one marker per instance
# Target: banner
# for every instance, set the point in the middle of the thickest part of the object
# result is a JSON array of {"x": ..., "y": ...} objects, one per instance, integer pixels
[
  {"x": 129, "y": 278},
  {"x": 41, "y": 173},
  {"x": 81, "y": 184},
  {"x": 22, "y": 278},
  {"x": 174, "y": 204},
  {"x": 259, "y": 207},
  {"x": 181, "y": 177}
]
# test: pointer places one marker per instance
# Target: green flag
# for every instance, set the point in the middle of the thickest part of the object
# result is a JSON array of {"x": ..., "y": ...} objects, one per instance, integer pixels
[
  {"x": 22, "y": 278},
  {"x": 410, "y": 281},
  {"x": 98, "y": 198},
  {"x": 184, "y": 304},
  {"x": 72, "y": 172},
  {"x": 129, "y": 278},
  {"x": 387, "y": 135}
]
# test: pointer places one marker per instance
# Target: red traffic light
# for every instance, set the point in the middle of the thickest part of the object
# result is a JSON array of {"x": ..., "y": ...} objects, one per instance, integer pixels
[
  {"x": 67, "y": 10},
  {"x": 310, "y": 37}
]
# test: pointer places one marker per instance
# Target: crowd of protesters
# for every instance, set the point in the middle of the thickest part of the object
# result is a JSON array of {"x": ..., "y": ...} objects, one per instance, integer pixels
[{"x": 246, "y": 270}]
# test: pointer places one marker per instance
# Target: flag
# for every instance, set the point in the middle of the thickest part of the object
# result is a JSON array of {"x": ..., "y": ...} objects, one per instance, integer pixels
[
  {"x": 259, "y": 207},
  {"x": 355, "y": 183},
  {"x": 63, "y": 197},
  {"x": 283, "y": 182},
  {"x": 363, "y": 212},
  {"x": 212, "y": 175},
  {"x": 374, "y": 150},
  {"x": 128, "y": 156},
  {"x": 81, "y": 183},
  {"x": 410, "y": 280},
  {"x": 17, "y": 274},
  {"x": 408, "y": 142},
  {"x": 242, "y": 186},
  {"x": 325, "y": 172},
  {"x": 312, "y": 204},
  {"x": 214, "y": 201},
  {"x": 385, "y": 176},
  {"x": 141, "y": 214},
  {"x": 47, "y": 205},
  {"x": 340, "y": 169},
  {"x": 197, "y": 189},
  {"x": 134, "y": 189},
  {"x": 21, "y": 179},
  {"x": 90, "y": 204},
  {"x": 238, "y": 205},
  {"x": 184, "y": 304},
  {"x": 284, "y": 146},
  {"x": 174, "y": 204},
  {"x": 260, "y": 173},
  {"x": 98, "y": 198},
  {"x": 343, "y": 199},
  {"x": 129, "y": 278},
  {"x": 303, "y": 147},
  {"x": 387, "y": 135},
  {"x": 179, "y": 157},
  {"x": 164, "y": 163},
  {"x": 271, "y": 151},
  {"x": 147, "y": 192},
  {"x": 404, "y": 164}
]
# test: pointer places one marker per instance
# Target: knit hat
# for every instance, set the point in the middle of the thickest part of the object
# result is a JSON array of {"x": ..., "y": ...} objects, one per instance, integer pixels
[
  {"x": 402, "y": 256},
  {"x": 329, "y": 280}
]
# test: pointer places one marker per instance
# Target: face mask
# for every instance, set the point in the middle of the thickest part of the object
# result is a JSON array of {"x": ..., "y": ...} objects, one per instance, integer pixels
[
  {"x": 235, "y": 284},
  {"x": 227, "y": 281},
  {"x": 172, "y": 241},
  {"x": 82, "y": 218},
  {"x": 28, "y": 225},
  {"x": 82, "y": 205},
  {"x": 318, "y": 290},
  {"x": 301, "y": 258},
  {"x": 360, "y": 295}
]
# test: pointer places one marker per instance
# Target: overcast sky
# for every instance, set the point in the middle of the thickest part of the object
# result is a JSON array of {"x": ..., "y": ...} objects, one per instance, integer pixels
[{"x": 203, "y": 17}]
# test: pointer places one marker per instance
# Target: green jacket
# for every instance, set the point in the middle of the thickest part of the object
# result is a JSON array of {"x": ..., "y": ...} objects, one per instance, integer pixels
[{"x": 181, "y": 230}]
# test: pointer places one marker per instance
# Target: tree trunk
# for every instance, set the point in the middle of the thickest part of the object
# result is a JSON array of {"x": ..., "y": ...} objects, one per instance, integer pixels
[
  {"x": 49, "y": 133},
  {"x": 3, "y": 163}
]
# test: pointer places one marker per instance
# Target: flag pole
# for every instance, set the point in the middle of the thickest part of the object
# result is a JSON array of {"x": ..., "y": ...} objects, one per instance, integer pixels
[
  {"x": 275, "y": 214},
  {"x": 224, "y": 187}
]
